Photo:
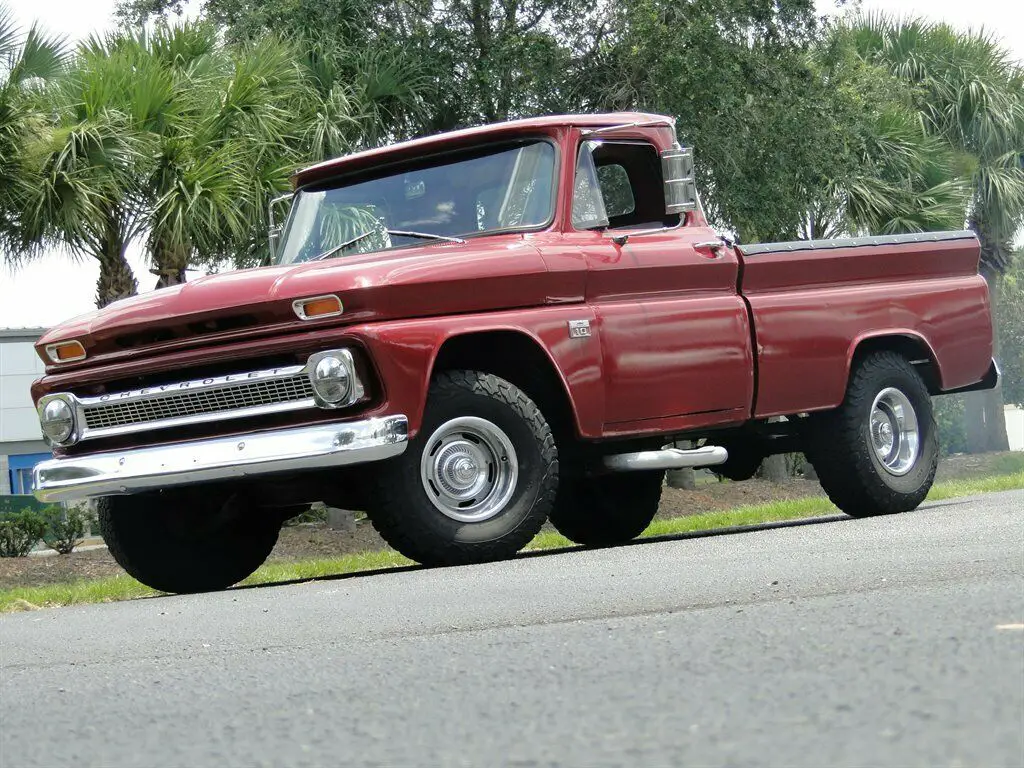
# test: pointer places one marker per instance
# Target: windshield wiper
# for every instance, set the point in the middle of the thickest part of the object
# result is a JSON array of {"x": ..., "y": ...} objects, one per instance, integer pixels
[
  {"x": 424, "y": 235},
  {"x": 394, "y": 232},
  {"x": 331, "y": 251}
]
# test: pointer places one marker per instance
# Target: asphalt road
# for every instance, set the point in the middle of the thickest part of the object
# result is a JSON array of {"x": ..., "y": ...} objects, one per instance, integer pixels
[{"x": 884, "y": 642}]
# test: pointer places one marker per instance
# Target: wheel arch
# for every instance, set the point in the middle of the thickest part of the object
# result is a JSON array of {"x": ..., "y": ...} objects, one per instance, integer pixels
[
  {"x": 519, "y": 358},
  {"x": 910, "y": 344}
]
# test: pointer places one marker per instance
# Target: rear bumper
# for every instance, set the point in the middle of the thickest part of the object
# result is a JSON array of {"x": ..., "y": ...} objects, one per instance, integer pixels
[{"x": 224, "y": 458}]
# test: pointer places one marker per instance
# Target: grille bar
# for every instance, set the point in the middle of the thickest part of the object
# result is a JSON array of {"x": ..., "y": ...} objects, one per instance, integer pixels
[
  {"x": 192, "y": 402},
  {"x": 218, "y": 400}
]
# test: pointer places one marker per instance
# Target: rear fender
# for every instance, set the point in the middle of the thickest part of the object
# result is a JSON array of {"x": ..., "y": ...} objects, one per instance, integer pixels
[{"x": 911, "y": 344}]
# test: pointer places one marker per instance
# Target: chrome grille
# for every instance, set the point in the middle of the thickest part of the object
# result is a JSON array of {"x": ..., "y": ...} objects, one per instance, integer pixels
[{"x": 221, "y": 399}]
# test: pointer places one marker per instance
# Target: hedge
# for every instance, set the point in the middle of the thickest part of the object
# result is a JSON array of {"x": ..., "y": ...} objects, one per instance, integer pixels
[{"x": 19, "y": 502}]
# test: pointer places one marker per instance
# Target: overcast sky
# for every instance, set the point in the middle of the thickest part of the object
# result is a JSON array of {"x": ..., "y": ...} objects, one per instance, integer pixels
[{"x": 57, "y": 287}]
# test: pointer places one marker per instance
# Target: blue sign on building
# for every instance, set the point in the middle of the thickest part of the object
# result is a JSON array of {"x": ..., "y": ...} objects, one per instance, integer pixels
[{"x": 20, "y": 468}]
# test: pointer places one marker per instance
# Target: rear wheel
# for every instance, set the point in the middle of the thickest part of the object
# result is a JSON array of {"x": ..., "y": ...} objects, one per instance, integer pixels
[
  {"x": 186, "y": 541},
  {"x": 877, "y": 453},
  {"x": 608, "y": 509},
  {"x": 477, "y": 481}
]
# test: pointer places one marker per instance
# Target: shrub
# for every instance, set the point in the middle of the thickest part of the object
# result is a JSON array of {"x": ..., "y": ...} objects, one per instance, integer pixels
[
  {"x": 65, "y": 529},
  {"x": 19, "y": 532}
]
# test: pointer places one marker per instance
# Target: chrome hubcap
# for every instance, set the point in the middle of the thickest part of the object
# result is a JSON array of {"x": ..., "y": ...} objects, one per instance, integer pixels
[
  {"x": 469, "y": 469},
  {"x": 894, "y": 431}
]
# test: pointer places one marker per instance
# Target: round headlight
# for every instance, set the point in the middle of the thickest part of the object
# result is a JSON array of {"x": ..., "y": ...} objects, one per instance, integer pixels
[
  {"x": 57, "y": 420},
  {"x": 331, "y": 380}
]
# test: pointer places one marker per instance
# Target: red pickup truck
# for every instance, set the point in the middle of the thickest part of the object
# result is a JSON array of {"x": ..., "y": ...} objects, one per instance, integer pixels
[{"x": 470, "y": 334}]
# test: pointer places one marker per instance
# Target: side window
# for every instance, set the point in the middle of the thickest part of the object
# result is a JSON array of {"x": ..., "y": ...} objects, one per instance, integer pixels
[
  {"x": 616, "y": 190},
  {"x": 622, "y": 180},
  {"x": 587, "y": 202}
]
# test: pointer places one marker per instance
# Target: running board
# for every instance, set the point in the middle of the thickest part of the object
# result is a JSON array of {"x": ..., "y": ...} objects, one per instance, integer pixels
[{"x": 667, "y": 458}]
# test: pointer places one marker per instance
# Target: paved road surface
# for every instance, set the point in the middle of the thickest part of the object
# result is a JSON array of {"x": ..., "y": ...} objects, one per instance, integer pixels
[{"x": 887, "y": 642}]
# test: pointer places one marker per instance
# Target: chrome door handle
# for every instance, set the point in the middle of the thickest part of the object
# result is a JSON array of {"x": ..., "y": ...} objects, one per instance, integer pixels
[{"x": 714, "y": 246}]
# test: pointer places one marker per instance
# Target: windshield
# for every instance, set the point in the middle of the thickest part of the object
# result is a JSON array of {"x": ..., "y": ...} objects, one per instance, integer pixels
[{"x": 489, "y": 190}]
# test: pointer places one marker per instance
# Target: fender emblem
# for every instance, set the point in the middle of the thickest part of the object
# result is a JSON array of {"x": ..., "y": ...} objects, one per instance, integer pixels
[{"x": 579, "y": 329}]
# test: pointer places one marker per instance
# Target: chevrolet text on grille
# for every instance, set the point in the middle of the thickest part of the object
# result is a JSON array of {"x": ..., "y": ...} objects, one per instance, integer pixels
[{"x": 190, "y": 384}]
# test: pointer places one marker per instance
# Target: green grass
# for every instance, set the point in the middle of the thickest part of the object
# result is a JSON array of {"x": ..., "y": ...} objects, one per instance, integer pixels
[
  {"x": 314, "y": 569},
  {"x": 95, "y": 591},
  {"x": 951, "y": 489},
  {"x": 751, "y": 515},
  {"x": 126, "y": 588}
]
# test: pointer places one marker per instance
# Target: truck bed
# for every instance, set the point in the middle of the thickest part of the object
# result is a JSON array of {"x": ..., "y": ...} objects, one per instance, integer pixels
[{"x": 814, "y": 302}]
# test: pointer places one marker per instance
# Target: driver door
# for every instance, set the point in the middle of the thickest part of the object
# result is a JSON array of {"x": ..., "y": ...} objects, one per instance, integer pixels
[{"x": 674, "y": 332}]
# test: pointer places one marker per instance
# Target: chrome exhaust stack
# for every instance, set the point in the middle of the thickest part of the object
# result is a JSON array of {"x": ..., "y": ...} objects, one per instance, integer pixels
[{"x": 667, "y": 458}]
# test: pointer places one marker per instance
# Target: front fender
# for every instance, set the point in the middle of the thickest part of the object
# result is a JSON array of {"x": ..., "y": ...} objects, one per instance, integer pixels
[{"x": 405, "y": 351}]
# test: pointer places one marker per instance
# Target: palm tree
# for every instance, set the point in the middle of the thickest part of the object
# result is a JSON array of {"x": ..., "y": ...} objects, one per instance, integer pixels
[
  {"x": 27, "y": 62},
  {"x": 223, "y": 151},
  {"x": 167, "y": 138},
  {"x": 87, "y": 161},
  {"x": 970, "y": 94},
  {"x": 176, "y": 139},
  {"x": 895, "y": 177}
]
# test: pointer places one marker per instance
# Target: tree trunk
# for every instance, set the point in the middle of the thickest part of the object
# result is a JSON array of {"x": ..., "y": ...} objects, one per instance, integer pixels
[
  {"x": 683, "y": 479},
  {"x": 116, "y": 279},
  {"x": 341, "y": 520},
  {"x": 810, "y": 473},
  {"x": 773, "y": 469},
  {"x": 170, "y": 261},
  {"x": 985, "y": 419}
]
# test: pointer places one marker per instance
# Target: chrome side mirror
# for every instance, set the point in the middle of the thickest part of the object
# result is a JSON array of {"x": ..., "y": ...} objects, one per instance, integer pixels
[{"x": 680, "y": 184}]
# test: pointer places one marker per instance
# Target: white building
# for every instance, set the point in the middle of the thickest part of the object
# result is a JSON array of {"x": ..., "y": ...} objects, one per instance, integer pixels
[
  {"x": 1015, "y": 427},
  {"x": 21, "y": 442}
]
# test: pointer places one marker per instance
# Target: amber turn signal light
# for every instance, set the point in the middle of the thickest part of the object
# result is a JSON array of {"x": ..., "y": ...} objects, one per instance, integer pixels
[
  {"x": 65, "y": 351},
  {"x": 316, "y": 307}
]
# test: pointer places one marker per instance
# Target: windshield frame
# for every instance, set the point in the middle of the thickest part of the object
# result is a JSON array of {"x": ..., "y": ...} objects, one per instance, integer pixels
[{"x": 396, "y": 166}]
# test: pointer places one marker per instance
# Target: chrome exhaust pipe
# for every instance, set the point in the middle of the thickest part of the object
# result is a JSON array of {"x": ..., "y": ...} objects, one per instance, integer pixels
[{"x": 667, "y": 458}]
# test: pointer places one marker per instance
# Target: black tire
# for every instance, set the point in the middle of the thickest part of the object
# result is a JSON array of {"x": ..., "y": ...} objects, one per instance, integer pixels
[
  {"x": 410, "y": 520},
  {"x": 608, "y": 509},
  {"x": 841, "y": 447},
  {"x": 186, "y": 541}
]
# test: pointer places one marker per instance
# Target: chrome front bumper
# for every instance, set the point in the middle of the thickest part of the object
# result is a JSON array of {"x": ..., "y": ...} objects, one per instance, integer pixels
[{"x": 223, "y": 458}]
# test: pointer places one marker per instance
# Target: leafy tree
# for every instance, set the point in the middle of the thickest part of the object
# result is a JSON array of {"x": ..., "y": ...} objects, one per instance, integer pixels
[
  {"x": 893, "y": 177},
  {"x": 737, "y": 76},
  {"x": 474, "y": 60},
  {"x": 970, "y": 94},
  {"x": 366, "y": 87},
  {"x": 85, "y": 164},
  {"x": 224, "y": 142},
  {"x": 1010, "y": 316},
  {"x": 27, "y": 62},
  {"x": 168, "y": 136}
]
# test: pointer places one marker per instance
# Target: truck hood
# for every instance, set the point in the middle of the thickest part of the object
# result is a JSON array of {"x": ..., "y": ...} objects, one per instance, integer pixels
[{"x": 499, "y": 272}]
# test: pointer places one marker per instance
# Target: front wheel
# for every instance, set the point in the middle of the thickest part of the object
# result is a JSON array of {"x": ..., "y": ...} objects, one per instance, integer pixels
[
  {"x": 878, "y": 452},
  {"x": 186, "y": 541},
  {"x": 477, "y": 481}
]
